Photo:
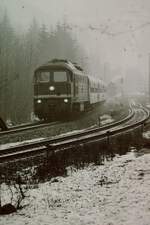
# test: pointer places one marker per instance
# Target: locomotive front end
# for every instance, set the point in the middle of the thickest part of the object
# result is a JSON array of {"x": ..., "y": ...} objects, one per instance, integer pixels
[{"x": 52, "y": 92}]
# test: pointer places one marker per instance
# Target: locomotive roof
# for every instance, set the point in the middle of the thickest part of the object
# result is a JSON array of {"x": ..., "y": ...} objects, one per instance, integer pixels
[
  {"x": 74, "y": 67},
  {"x": 56, "y": 63}
]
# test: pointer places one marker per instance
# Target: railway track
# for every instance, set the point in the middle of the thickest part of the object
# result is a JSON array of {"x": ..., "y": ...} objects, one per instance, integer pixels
[
  {"x": 25, "y": 127},
  {"x": 137, "y": 117}
]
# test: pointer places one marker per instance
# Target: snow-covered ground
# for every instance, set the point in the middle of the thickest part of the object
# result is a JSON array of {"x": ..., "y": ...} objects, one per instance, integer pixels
[
  {"x": 106, "y": 119},
  {"x": 116, "y": 193},
  {"x": 146, "y": 135},
  {"x": 13, "y": 144}
]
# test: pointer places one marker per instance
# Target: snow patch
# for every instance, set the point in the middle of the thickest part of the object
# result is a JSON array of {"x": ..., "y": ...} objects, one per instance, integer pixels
[
  {"x": 146, "y": 135},
  {"x": 8, "y": 145},
  {"x": 114, "y": 193}
]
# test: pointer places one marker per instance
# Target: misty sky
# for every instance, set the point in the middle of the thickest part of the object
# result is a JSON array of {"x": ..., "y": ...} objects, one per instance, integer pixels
[{"x": 111, "y": 31}]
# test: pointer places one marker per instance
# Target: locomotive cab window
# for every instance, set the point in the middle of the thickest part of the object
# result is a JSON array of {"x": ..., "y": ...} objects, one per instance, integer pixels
[
  {"x": 43, "y": 76},
  {"x": 60, "y": 76}
]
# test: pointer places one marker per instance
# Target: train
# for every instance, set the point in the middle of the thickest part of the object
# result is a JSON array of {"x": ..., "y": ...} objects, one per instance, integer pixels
[{"x": 62, "y": 88}]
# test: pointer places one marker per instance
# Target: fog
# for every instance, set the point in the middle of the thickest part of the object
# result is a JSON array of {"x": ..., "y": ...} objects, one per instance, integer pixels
[{"x": 115, "y": 34}]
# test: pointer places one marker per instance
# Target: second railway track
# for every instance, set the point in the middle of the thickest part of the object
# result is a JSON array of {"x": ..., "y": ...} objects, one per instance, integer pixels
[{"x": 26, "y": 127}]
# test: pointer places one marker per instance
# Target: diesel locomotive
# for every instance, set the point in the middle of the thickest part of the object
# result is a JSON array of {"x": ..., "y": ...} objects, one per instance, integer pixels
[{"x": 61, "y": 88}]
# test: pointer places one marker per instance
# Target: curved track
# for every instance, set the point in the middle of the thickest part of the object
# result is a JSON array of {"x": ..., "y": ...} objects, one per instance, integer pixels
[{"x": 136, "y": 118}]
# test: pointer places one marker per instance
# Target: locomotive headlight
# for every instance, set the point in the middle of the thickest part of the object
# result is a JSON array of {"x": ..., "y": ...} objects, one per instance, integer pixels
[
  {"x": 51, "y": 88},
  {"x": 66, "y": 100},
  {"x": 39, "y": 101}
]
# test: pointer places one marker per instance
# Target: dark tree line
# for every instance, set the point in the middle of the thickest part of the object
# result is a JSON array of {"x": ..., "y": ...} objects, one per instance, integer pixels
[{"x": 20, "y": 54}]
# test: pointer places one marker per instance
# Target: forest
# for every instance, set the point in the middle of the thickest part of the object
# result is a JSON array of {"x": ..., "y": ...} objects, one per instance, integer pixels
[{"x": 20, "y": 54}]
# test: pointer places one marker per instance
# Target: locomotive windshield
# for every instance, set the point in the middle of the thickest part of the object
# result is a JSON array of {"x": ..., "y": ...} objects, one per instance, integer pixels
[
  {"x": 60, "y": 76},
  {"x": 43, "y": 76},
  {"x": 53, "y": 76}
]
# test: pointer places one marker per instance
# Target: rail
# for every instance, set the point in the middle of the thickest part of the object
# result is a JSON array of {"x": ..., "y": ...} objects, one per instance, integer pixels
[
  {"x": 68, "y": 140},
  {"x": 69, "y": 136}
]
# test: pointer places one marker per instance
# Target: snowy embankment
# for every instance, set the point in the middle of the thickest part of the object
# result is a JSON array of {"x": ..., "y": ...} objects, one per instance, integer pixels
[{"x": 114, "y": 193}]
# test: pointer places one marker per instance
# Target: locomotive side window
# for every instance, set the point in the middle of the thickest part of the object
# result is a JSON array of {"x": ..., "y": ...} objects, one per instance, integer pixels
[
  {"x": 43, "y": 76},
  {"x": 60, "y": 76}
]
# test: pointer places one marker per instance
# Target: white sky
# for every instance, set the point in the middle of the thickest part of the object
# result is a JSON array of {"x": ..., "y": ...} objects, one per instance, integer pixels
[{"x": 113, "y": 31}]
